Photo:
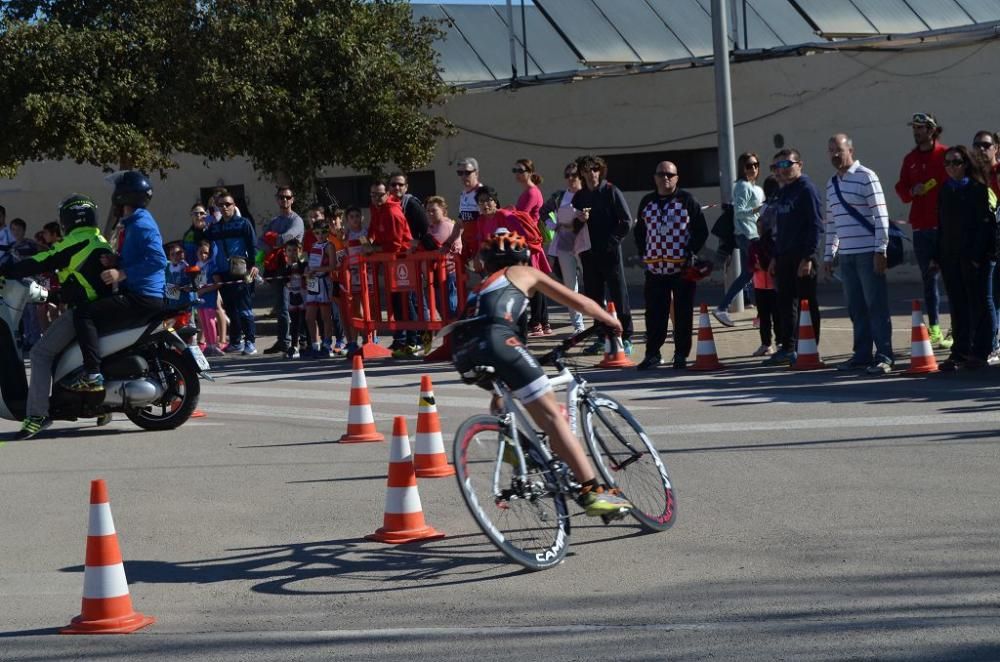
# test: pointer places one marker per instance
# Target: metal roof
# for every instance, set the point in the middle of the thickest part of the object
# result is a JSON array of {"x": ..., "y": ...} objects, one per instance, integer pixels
[{"x": 571, "y": 36}]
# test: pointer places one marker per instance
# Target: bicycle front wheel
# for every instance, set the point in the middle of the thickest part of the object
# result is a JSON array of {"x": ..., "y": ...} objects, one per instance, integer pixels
[
  {"x": 523, "y": 514},
  {"x": 628, "y": 460}
]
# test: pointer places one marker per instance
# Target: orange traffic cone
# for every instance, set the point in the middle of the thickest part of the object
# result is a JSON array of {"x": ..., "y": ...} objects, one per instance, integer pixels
[
  {"x": 404, "y": 517},
  {"x": 921, "y": 353},
  {"x": 429, "y": 458},
  {"x": 197, "y": 413},
  {"x": 706, "y": 358},
  {"x": 107, "y": 606},
  {"x": 614, "y": 355},
  {"x": 806, "y": 349},
  {"x": 360, "y": 420}
]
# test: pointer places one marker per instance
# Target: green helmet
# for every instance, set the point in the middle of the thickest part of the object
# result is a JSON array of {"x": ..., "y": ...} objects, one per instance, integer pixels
[{"x": 77, "y": 211}]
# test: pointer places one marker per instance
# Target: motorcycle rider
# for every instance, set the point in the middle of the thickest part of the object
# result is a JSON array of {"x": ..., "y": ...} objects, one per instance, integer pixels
[
  {"x": 77, "y": 258},
  {"x": 137, "y": 276}
]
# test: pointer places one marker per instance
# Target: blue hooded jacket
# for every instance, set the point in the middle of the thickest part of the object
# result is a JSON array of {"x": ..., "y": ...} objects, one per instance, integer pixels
[
  {"x": 142, "y": 257},
  {"x": 799, "y": 219}
]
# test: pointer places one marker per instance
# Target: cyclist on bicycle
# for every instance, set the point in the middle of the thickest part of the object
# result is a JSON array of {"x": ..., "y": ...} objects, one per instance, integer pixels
[{"x": 490, "y": 344}]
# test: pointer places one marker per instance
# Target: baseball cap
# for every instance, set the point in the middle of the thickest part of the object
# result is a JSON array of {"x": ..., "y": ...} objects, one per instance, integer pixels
[
  {"x": 468, "y": 163},
  {"x": 925, "y": 119}
]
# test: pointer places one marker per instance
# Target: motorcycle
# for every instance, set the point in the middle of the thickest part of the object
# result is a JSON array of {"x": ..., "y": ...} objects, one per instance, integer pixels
[{"x": 151, "y": 374}]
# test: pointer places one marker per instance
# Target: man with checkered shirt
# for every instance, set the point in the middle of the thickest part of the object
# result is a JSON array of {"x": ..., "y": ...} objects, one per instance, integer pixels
[{"x": 669, "y": 231}]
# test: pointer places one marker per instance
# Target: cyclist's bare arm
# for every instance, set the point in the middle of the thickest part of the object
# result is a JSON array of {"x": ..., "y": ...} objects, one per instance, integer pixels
[{"x": 531, "y": 280}]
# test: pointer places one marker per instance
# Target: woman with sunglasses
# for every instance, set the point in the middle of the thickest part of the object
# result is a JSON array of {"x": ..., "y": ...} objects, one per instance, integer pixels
[
  {"x": 966, "y": 252},
  {"x": 530, "y": 201},
  {"x": 748, "y": 198},
  {"x": 564, "y": 247}
]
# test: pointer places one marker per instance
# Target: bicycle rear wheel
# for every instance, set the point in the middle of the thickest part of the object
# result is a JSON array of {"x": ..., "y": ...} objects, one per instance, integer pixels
[
  {"x": 628, "y": 460},
  {"x": 524, "y": 516}
]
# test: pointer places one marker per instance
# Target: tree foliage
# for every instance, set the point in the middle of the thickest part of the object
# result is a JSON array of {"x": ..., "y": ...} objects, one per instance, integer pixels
[{"x": 293, "y": 85}]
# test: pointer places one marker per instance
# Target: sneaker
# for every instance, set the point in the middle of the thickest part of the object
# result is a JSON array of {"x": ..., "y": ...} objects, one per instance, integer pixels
[
  {"x": 600, "y": 501},
  {"x": 763, "y": 350},
  {"x": 276, "y": 348},
  {"x": 408, "y": 352},
  {"x": 213, "y": 350},
  {"x": 351, "y": 349},
  {"x": 547, "y": 330},
  {"x": 756, "y": 322},
  {"x": 723, "y": 316},
  {"x": 940, "y": 340},
  {"x": 680, "y": 363},
  {"x": 651, "y": 361},
  {"x": 234, "y": 348},
  {"x": 781, "y": 357},
  {"x": 292, "y": 353},
  {"x": 85, "y": 383},
  {"x": 31, "y": 426},
  {"x": 627, "y": 346},
  {"x": 340, "y": 347},
  {"x": 951, "y": 364},
  {"x": 326, "y": 351},
  {"x": 396, "y": 345},
  {"x": 880, "y": 367},
  {"x": 249, "y": 349},
  {"x": 994, "y": 357},
  {"x": 854, "y": 363},
  {"x": 597, "y": 347},
  {"x": 103, "y": 419},
  {"x": 536, "y": 331}
]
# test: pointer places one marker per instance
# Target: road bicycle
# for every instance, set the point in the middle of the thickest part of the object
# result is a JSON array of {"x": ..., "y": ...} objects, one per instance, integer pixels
[{"x": 517, "y": 491}]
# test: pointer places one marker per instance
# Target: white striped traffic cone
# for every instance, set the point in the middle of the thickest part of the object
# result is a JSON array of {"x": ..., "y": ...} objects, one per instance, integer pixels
[
  {"x": 429, "y": 458},
  {"x": 922, "y": 358},
  {"x": 107, "y": 606},
  {"x": 360, "y": 419},
  {"x": 404, "y": 517},
  {"x": 706, "y": 357},
  {"x": 806, "y": 349}
]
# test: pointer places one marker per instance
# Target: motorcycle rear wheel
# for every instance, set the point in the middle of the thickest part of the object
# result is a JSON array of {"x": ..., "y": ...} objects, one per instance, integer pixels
[{"x": 180, "y": 397}]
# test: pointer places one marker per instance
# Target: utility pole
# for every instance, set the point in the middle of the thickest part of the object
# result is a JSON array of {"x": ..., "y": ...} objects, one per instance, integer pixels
[{"x": 724, "y": 120}]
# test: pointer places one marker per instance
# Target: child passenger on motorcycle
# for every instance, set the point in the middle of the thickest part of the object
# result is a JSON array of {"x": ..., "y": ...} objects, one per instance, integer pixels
[{"x": 493, "y": 338}]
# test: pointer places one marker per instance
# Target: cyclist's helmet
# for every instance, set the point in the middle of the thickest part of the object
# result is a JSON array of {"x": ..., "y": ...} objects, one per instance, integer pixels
[
  {"x": 132, "y": 189},
  {"x": 77, "y": 211},
  {"x": 504, "y": 249}
]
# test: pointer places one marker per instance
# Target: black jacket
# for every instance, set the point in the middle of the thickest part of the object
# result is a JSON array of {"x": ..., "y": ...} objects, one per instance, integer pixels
[
  {"x": 610, "y": 217},
  {"x": 967, "y": 228}
]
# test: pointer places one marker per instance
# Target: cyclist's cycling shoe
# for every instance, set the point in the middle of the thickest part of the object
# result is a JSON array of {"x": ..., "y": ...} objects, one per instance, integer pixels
[{"x": 603, "y": 503}]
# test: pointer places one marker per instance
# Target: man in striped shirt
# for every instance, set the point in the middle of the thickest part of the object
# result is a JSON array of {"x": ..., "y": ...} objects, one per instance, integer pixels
[{"x": 857, "y": 235}]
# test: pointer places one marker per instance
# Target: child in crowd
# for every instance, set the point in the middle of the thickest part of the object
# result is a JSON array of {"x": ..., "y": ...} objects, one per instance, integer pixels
[
  {"x": 337, "y": 238},
  {"x": 761, "y": 253},
  {"x": 179, "y": 292},
  {"x": 356, "y": 239},
  {"x": 211, "y": 326},
  {"x": 293, "y": 273},
  {"x": 441, "y": 228},
  {"x": 322, "y": 262}
]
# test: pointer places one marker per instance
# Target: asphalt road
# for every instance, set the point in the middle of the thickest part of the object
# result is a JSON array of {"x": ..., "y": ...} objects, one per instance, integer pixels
[{"x": 821, "y": 516}]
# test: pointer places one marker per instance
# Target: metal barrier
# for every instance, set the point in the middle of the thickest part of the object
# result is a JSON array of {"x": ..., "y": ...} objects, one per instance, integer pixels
[{"x": 382, "y": 286}]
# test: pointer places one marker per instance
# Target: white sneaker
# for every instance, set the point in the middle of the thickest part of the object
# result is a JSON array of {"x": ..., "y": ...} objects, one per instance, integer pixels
[
  {"x": 994, "y": 357},
  {"x": 723, "y": 317},
  {"x": 763, "y": 350}
]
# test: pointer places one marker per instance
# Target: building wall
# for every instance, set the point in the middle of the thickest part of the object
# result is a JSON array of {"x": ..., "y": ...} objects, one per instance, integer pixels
[{"x": 794, "y": 101}]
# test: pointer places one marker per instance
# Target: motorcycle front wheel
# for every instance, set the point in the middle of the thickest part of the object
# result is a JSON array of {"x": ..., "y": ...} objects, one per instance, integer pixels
[{"x": 181, "y": 389}]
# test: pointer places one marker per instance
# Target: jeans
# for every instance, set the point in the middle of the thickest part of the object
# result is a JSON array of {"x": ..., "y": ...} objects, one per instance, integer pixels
[
  {"x": 237, "y": 298},
  {"x": 283, "y": 319},
  {"x": 55, "y": 339},
  {"x": 567, "y": 266},
  {"x": 746, "y": 275},
  {"x": 868, "y": 306},
  {"x": 398, "y": 300},
  {"x": 451, "y": 284},
  {"x": 924, "y": 247}
]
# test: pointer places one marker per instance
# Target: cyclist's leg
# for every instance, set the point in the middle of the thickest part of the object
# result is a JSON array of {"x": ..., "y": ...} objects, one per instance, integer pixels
[{"x": 546, "y": 414}]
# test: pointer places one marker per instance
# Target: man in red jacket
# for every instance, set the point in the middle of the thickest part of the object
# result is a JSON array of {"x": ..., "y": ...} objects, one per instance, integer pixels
[
  {"x": 389, "y": 232},
  {"x": 920, "y": 180}
]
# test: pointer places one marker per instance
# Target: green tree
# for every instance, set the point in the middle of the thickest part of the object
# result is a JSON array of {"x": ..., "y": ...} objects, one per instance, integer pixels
[{"x": 293, "y": 85}]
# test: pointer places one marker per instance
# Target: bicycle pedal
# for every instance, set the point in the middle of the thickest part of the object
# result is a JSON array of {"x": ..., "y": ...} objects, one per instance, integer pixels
[{"x": 612, "y": 517}]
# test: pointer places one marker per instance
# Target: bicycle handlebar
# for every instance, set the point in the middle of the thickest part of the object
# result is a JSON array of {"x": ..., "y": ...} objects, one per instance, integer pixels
[{"x": 554, "y": 355}]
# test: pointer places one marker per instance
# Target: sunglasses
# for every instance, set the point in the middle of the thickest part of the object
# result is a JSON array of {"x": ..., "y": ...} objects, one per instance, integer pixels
[
  {"x": 283, "y": 197},
  {"x": 954, "y": 162},
  {"x": 570, "y": 175},
  {"x": 983, "y": 144},
  {"x": 753, "y": 164},
  {"x": 227, "y": 205},
  {"x": 463, "y": 173},
  {"x": 395, "y": 184},
  {"x": 595, "y": 168},
  {"x": 198, "y": 213},
  {"x": 666, "y": 175},
  {"x": 518, "y": 171},
  {"x": 784, "y": 164}
]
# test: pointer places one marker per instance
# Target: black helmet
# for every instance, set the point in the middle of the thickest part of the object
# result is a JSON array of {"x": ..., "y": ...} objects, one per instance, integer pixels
[
  {"x": 77, "y": 211},
  {"x": 132, "y": 189},
  {"x": 504, "y": 249}
]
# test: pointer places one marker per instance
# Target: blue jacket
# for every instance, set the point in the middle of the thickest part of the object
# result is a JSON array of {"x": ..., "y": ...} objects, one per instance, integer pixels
[
  {"x": 142, "y": 257},
  {"x": 235, "y": 237},
  {"x": 799, "y": 219}
]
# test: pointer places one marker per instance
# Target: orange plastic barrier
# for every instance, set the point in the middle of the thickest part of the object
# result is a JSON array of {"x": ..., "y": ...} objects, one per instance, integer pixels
[{"x": 376, "y": 279}]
